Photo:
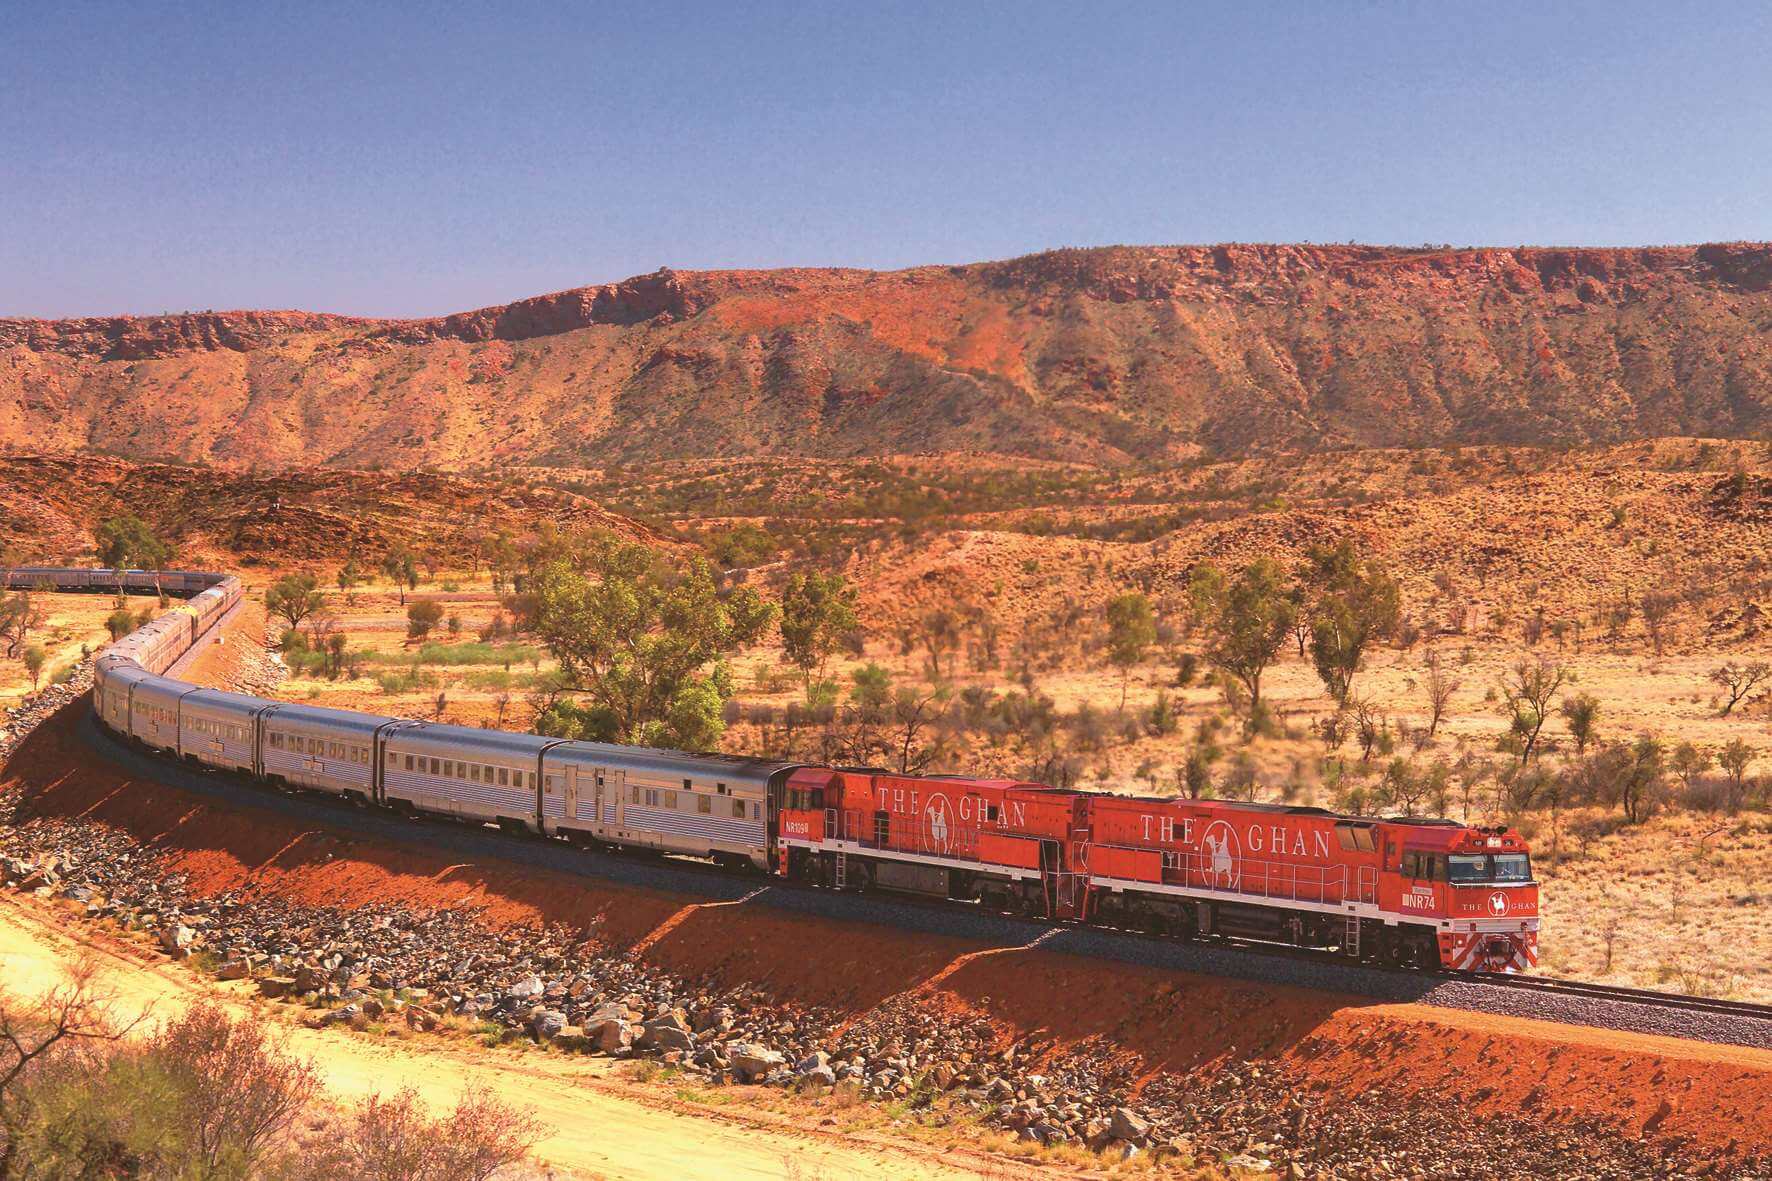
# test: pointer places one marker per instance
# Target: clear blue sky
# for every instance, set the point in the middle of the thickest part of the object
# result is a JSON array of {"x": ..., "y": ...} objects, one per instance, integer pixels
[{"x": 408, "y": 159}]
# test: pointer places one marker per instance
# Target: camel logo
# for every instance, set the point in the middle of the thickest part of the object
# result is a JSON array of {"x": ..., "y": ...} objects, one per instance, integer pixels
[
  {"x": 1498, "y": 904},
  {"x": 936, "y": 824},
  {"x": 1223, "y": 852}
]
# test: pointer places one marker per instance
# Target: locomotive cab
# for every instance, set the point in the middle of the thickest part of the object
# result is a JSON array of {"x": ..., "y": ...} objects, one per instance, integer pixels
[{"x": 1492, "y": 903}]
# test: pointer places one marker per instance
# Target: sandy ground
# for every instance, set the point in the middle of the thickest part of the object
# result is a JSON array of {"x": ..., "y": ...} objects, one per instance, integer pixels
[{"x": 601, "y": 1126}]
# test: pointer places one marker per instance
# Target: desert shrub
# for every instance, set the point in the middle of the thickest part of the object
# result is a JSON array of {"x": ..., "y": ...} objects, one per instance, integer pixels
[
  {"x": 396, "y": 1139},
  {"x": 209, "y": 1096},
  {"x": 406, "y": 680},
  {"x": 422, "y": 616}
]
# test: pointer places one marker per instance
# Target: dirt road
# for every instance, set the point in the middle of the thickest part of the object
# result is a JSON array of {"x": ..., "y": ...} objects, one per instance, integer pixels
[{"x": 602, "y": 1126}]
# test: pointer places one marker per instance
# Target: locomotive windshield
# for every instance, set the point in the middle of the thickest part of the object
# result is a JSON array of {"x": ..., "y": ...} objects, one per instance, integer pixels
[
  {"x": 1512, "y": 867},
  {"x": 1482, "y": 868}
]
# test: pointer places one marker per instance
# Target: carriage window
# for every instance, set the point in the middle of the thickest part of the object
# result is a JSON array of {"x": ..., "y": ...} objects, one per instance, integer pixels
[
  {"x": 670, "y": 799},
  {"x": 738, "y": 809},
  {"x": 504, "y": 777},
  {"x": 720, "y": 787},
  {"x": 409, "y": 762},
  {"x": 756, "y": 811},
  {"x": 688, "y": 786},
  {"x": 633, "y": 795},
  {"x": 704, "y": 803}
]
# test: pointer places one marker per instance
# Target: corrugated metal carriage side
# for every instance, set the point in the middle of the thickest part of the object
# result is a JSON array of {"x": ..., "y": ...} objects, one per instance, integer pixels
[
  {"x": 331, "y": 750},
  {"x": 220, "y": 729},
  {"x": 486, "y": 775},
  {"x": 154, "y": 709},
  {"x": 710, "y": 805}
]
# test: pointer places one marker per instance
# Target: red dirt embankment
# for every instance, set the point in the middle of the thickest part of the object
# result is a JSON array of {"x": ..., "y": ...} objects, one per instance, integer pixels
[{"x": 1711, "y": 1098}]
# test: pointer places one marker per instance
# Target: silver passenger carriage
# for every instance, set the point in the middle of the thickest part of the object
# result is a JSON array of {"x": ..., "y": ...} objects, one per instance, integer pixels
[
  {"x": 485, "y": 775},
  {"x": 220, "y": 729},
  {"x": 712, "y": 805},
  {"x": 326, "y": 749},
  {"x": 154, "y": 709}
]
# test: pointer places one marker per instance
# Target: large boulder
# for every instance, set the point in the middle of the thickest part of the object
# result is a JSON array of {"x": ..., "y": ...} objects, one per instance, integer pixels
[
  {"x": 233, "y": 970},
  {"x": 751, "y": 1061},
  {"x": 610, "y": 1036},
  {"x": 665, "y": 1034},
  {"x": 528, "y": 987},
  {"x": 1129, "y": 1126},
  {"x": 547, "y": 1023},
  {"x": 177, "y": 939}
]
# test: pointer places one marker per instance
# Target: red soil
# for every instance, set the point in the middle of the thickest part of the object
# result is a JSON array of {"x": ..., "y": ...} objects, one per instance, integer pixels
[{"x": 1715, "y": 1096}]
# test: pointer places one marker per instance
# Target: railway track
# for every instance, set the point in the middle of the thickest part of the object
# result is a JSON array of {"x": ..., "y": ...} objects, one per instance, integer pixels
[{"x": 1614, "y": 992}]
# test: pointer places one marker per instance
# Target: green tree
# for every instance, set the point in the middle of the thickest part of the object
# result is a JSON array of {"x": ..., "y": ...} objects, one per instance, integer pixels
[
  {"x": 872, "y": 689},
  {"x": 1582, "y": 715},
  {"x": 34, "y": 658},
  {"x": 1245, "y": 619},
  {"x": 422, "y": 616},
  {"x": 294, "y": 597},
  {"x": 126, "y": 542},
  {"x": 1734, "y": 759},
  {"x": 641, "y": 641},
  {"x": 1132, "y": 628},
  {"x": 1356, "y": 603},
  {"x": 1640, "y": 777},
  {"x": 1526, "y": 696},
  {"x": 19, "y": 617},
  {"x": 119, "y": 623},
  {"x": 400, "y": 566},
  {"x": 817, "y": 612}
]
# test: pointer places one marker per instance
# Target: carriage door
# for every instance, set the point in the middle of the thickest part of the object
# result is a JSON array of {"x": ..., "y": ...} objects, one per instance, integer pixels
[
  {"x": 612, "y": 790},
  {"x": 570, "y": 812}
]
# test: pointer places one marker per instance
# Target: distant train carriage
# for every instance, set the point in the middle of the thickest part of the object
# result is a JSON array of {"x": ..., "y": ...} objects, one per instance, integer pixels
[{"x": 326, "y": 749}]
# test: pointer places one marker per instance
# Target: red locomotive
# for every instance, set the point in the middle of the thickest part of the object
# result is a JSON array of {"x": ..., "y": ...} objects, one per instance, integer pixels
[{"x": 1417, "y": 893}]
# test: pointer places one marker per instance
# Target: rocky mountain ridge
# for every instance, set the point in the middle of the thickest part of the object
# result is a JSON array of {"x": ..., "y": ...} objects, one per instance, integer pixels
[{"x": 1118, "y": 354}]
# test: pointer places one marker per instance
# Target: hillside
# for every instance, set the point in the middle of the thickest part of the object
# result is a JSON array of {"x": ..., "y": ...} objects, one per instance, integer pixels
[
  {"x": 49, "y": 506},
  {"x": 1109, "y": 355}
]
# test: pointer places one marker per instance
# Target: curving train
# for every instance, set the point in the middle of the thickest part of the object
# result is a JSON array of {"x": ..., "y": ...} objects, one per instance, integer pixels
[{"x": 1407, "y": 892}]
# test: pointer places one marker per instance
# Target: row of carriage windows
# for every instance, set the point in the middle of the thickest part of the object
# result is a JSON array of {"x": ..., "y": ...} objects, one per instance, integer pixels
[
  {"x": 318, "y": 747},
  {"x": 215, "y": 729},
  {"x": 472, "y": 772},
  {"x": 659, "y": 797}
]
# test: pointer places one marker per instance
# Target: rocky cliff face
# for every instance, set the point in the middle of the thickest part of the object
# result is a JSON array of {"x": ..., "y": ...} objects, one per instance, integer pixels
[{"x": 1117, "y": 354}]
